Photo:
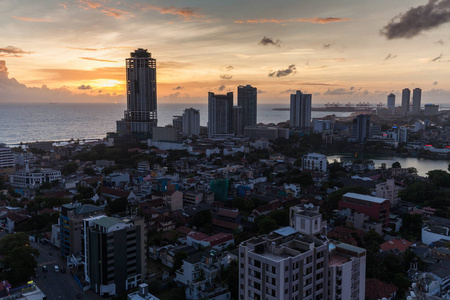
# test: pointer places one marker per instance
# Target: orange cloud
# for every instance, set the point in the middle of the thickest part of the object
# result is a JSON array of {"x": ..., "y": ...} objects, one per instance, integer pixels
[
  {"x": 96, "y": 59},
  {"x": 31, "y": 19},
  {"x": 109, "y": 11},
  {"x": 310, "y": 20},
  {"x": 187, "y": 13},
  {"x": 61, "y": 75},
  {"x": 11, "y": 51},
  {"x": 99, "y": 49}
]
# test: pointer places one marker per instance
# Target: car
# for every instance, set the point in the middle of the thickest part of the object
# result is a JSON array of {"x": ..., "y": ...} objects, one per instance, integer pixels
[
  {"x": 56, "y": 268},
  {"x": 44, "y": 269}
]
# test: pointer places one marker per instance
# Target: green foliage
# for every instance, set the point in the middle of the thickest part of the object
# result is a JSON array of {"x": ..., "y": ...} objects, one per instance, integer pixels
[
  {"x": 396, "y": 165},
  {"x": 69, "y": 168},
  {"x": 202, "y": 218},
  {"x": 439, "y": 177},
  {"x": 412, "y": 226},
  {"x": 281, "y": 217},
  {"x": 334, "y": 197},
  {"x": 178, "y": 260},
  {"x": 39, "y": 222},
  {"x": 265, "y": 224},
  {"x": 418, "y": 192},
  {"x": 18, "y": 261},
  {"x": 89, "y": 171},
  {"x": 116, "y": 206},
  {"x": 231, "y": 278},
  {"x": 84, "y": 192}
]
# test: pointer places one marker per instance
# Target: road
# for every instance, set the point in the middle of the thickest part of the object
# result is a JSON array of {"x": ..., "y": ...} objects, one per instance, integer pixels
[{"x": 57, "y": 285}]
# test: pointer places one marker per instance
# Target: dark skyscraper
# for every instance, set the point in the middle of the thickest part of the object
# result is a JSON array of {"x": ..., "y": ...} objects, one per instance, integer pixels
[
  {"x": 220, "y": 114},
  {"x": 247, "y": 99},
  {"x": 361, "y": 128},
  {"x": 140, "y": 116},
  {"x": 406, "y": 96},
  {"x": 417, "y": 98},
  {"x": 300, "y": 110}
]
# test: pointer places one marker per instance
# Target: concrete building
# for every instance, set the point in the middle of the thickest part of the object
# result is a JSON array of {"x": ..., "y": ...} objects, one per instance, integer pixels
[
  {"x": 169, "y": 134},
  {"x": 431, "y": 109},
  {"x": 300, "y": 110},
  {"x": 374, "y": 207},
  {"x": 33, "y": 179},
  {"x": 191, "y": 122},
  {"x": 177, "y": 122},
  {"x": 115, "y": 254},
  {"x": 141, "y": 294},
  {"x": 361, "y": 128},
  {"x": 220, "y": 115},
  {"x": 406, "y": 96},
  {"x": 314, "y": 162},
  {"x": 266, "y": 132},
  {"x": 391, "y": 102},
  {"x": 417, "y": 98},
  {"x": 141, "y": 114},
  {"x": 71, "y": 224},
  {"x": 388, "y": 190},
  {"x": 238, "y": 128},
  {"x": 320, "y": 125},
  {"x": 247, "y": 99},
  {"x": 7, "y": 158}
]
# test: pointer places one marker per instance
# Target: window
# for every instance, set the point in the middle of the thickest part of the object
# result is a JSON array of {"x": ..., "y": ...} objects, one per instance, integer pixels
[
  {"x": 302, "y": 224},
  {"x": 257, "y": 263}
]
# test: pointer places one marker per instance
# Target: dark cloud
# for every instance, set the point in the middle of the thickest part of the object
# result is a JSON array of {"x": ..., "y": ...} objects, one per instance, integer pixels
[
  {"x": 226, "y": 76},
  {"x": 436, "y": 58},
  {"x": 281, "y": 73},
  {"x": 435, "y": 83},
  {"x": 352, "y": 88},
  {"x": 338, "y": 92},
  {"x": 269, "y": 41},
  {"x": 85, "y": 87},
  {"x": 289, "y": 91},
  {"x": 440, "y": 42},
  {"x": 178, "y": 88},
  {"x": 222, "y": 87},
  {"x": 326, "y": 46},
  {"x": 12, "y": 51},
  {"x": 97, "y": 59},
  {"x": 229, "y": 68},
  {"x": 418, "y": 19},
  {"x": 174, "y": 95},
  {"x": 261, "y": 92},
  {"x": 390, "y": 56}
]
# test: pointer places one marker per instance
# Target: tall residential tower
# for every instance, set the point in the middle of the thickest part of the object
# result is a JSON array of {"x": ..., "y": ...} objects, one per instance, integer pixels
[
  {"x": 300, "y": 110},
  {"x": 140, "y": 116},
  {"x": 247, "y": 99},
  {"x": 406, "y": 95},
  {"x": 417, "y": 98},
  {"x": 220, "y": 114}
]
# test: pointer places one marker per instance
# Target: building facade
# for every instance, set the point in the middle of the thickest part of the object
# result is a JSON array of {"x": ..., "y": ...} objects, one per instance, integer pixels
[
  {"x": 220, "y": 115},
  {"x": 431, "y": 109},
  {"x": 391, "y": 102},
  {"x": 141, "y": 114},
  {"x": 361, "y": 128},
  {"x": 314, "y": 162},
  {"x": 417, "y": 98},
  {"x": 191, "y": 122},
  {"x": 300, "y": 110},
  {"x": 374, "y": 207},
  {"x": 7, "y": 158},
  {"x": 406, "y": 96},
  {"x": 33, "y": 179},
  {"x": 247, "y": 99},
  {"x": 238, "y": 129},
  {"x": 115, "y": 255}
]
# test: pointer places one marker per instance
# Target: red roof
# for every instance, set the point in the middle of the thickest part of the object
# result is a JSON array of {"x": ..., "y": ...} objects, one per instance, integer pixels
[
  {"x": 225, "y": 224},
  {"x": 114, "y": 192},
  {"x": 228, "y": 213},
  {"x": 184, "y": 230},
  {"x": 198, "y": 236},
  {"x": 376, "y": 289},
  {"x": 399, "y": 244},
  {"x": 219, "y": 238},
  {"x": 48, "y": 211}
]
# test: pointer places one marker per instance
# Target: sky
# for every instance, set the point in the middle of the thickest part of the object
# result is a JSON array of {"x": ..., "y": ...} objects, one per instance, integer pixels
[{"x": 339, "y": 51}]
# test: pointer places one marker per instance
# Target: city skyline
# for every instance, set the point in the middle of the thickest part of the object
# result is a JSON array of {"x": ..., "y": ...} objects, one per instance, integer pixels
[{"x": 75, "y": 51}]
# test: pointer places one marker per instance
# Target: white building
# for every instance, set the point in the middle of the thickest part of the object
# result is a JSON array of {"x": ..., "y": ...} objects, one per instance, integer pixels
[
  {"x": 388, "y": 190},
  {"x": 300, "y": 110},
  {"x": 191, "y": 122},
  {"x": 34, "y": 179},
  {"x": 314, "y": 162},
  {"x": 7, "y": 158}
]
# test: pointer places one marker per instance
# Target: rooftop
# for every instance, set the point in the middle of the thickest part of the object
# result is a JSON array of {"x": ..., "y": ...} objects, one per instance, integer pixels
[
  {"x": 365, "y": 197},
  {"x": 108, "y": 221}
]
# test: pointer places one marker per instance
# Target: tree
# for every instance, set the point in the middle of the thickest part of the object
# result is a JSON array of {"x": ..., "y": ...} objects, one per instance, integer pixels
[
  {"x": 396, "y": 165},
  {"x": 69, "y": 168},
  {"x": 89, "y": 171},
  {"x": 440, "y": 178},
  {"x": 202, "y": 218},
  {"x": 117, "y": 205},
  {"x": 178, "y": 260},
  {"x": 11, "y": 241},
  {"x": 266, "y": 224}
]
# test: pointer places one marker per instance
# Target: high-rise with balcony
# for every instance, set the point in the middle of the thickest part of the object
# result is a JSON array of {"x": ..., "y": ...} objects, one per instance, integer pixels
[
  {"x": 220, "y": 115},
  {"x": 406, "y": 96},
  {"x": 191, "y": 122},
  {"x": 7, "y": 158},
  {"x": 141, "y": 115},
  {"x": 300, "y": 110},
  {"x": 247, "y": 100},
  {"x": 417, "y": 98}
]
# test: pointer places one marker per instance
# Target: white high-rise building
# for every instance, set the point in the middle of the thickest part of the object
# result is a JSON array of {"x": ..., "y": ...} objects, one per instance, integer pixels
[
  {"x": 391, "y": 102},
  {"x": 406, "y": 95},
  {"x": 191, "y": 122},
  {"x": 141, "y": 115},
  {"x": 7, "y": 158},
  {"x": 299, "y": 262},
  {"x": 300, "y": 110},
  {"x": 417, "y": 98}
]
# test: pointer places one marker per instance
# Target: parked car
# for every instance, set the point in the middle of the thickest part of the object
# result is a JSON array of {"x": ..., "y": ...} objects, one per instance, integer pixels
[
  {"x": 44, "y": 268},
  {"x": 56, "y": 268}
]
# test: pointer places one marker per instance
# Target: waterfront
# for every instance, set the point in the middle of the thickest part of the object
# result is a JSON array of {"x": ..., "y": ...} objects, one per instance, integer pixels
[{"x": 421, "y": 164}]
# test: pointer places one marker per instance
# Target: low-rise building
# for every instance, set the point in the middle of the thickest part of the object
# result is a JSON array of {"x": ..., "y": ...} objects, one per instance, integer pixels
[{"x": 314, "y": 162}]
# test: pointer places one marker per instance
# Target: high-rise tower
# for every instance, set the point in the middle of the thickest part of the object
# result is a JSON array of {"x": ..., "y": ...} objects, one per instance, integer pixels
[
  {"x": 406, "y": 95},
  {"x": 191, "y": 121},
  {"x": 417, "y": 97},
  {"x": 391, "y": 102},
  {"x": 220, "y": 114},
  {"x": 140, "y": 116},
  {"x": 247, "y": 99},
  {"x": 300, "y": 110}
]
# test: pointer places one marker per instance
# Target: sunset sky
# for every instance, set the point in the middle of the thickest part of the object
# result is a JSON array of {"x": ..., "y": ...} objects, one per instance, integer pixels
[{"x": 338, "y": 50}]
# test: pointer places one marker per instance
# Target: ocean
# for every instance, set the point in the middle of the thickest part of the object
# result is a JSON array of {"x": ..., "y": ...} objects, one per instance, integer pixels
[{"x": 32, "y": 122}]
